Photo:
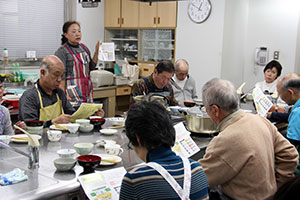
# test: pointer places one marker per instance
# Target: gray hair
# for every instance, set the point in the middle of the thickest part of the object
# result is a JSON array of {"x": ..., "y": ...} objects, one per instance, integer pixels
[
  {"x": 291, "y": 84},
  {"x": 221, "y": 93},
  {"x": 46, "y": 66},
  {"x": 177, "y": 63}
]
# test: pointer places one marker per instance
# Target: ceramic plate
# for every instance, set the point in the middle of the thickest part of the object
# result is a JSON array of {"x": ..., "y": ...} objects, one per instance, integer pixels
[
  {"x": 101, "y": 143},
  {"x": 108, "y": 131},
  {"x": 115, "y": 159},
  {"x": 22, "y": 138},
  {"x": 60, "y": 127}
]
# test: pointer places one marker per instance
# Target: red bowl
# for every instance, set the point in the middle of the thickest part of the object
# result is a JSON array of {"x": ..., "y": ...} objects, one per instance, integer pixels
[
  {"x": 89, "y": 163},
  {"x": 97, "y": 121},
  {"x": 34, "y": 123},
  {"x": 13, "y": 103},
  {"x": 189, "y": 103}
]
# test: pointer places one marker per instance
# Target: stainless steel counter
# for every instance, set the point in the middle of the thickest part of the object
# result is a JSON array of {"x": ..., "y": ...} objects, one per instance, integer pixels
[{"x": 46, "y": 182}]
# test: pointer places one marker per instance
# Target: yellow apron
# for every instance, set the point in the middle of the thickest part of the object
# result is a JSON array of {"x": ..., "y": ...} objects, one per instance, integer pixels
[{"x": 49, "y": 112}]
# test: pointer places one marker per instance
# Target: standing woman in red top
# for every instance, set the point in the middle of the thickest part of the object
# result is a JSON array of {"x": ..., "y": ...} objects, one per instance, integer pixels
[{"x": 78, "y": 64}]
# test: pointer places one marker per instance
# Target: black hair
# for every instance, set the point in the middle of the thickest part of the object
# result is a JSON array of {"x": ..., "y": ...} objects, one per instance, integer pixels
[
  {"x": 151, "y": 122},
  {"x": 165, "y": 66},
  {"x": 65, "y": 28},
  {"x": 276, "y": 64},
  {"x": 289, "y": 190},
  {"x": 2, "y": 79}
]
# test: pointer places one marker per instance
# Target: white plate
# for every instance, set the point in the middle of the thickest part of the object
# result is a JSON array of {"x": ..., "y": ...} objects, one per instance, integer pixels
[
  {"x": 108, "y": 156},
  {"x": 14, "y": 138},
  {"x": 108, "y": 131},
  {"x": 101, "y": 143},
  {"x": 57, "y": 128}
]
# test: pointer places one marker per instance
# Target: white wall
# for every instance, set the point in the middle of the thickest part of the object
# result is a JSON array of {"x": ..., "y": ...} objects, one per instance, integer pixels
[
  {"x": 92, "y": 24},
  {"x": 272, "y": 23},
  {"x": 201, "y": 44}
]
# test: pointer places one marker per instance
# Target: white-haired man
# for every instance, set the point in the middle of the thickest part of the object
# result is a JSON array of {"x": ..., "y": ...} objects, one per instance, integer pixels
[
  {"x": 249, "y": 159},
  {"x": 184, "y": 86}
]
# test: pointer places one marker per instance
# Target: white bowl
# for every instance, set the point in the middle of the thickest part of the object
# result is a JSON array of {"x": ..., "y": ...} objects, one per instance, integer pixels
[
  {"x": 54, "y": 135},
  {"x": 5, "y": 139},
  {"x": 73, "y": 128},
  {"x": 174, "y": 109},
  {"x": 83, "y": 148},
  {"x": 118, "y": 121},
  {"x": 86, "y": 128},
  {"x": 64, "y": 164},
  {"x": 35, "y": 129},
  {"x": 82, "y": 121},
  {"x": 66, "y": 153}
]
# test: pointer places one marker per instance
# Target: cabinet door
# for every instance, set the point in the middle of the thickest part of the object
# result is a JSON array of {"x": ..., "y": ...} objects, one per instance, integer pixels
[
  {"x": 130, "y": 13},
  {"x": 167, "y": 14},
  {"x": 148, "y": 15},
  {"x": 112, "y": 13}
]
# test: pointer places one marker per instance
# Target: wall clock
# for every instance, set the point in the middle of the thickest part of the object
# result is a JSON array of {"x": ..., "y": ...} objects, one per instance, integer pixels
[{"x": 199, "y": 10}]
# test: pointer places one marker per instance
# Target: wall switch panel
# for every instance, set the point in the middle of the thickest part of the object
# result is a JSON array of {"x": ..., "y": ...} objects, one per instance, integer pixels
[{"x": 276, "y": 55}]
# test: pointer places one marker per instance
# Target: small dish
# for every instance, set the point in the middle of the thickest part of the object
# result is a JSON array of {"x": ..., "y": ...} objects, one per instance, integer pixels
[
  {"x": 61, "y": 127},
  {"x": 108, "y": 131},
  {"x": 118, "y": 121},
  {"x": 54, "y": 135},
  {"x": 66, "y": 153},
  {"x": 23, "y": 138},
  {"x": 109, "y": 159},
  {"x": 101, "y": 143},
  {"x": 5, "y": 139}
]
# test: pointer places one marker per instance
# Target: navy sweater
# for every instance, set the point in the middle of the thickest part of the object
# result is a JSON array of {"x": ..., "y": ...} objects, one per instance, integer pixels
[{"x": 144, "y": 182}]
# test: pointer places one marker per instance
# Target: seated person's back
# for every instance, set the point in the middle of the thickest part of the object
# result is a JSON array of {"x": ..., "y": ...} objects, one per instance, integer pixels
[{"x": 150, "y": 131}]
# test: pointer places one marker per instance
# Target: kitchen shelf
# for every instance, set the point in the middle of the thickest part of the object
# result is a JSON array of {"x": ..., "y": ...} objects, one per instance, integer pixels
[
  {"x": 160, "y": 40},
  {"x": 150, "y": 48},
  {"x": 123, "y": 39}
]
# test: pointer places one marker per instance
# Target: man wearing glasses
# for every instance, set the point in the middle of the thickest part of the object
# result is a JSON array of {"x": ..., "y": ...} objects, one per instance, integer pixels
[
  {"x": 183, "y": 84},
  {"x": 157, "y": 84},
  {"x": 249, "y": 159}
]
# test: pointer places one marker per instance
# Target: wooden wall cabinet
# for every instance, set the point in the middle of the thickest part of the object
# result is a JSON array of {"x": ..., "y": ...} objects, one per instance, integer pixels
[
  {"x": 121, "y": 13},
  {"x": 158, "y": 15}
]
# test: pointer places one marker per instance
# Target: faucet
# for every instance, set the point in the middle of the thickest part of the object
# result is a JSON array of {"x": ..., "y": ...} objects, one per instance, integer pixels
[{"x": 33, "y": 154}]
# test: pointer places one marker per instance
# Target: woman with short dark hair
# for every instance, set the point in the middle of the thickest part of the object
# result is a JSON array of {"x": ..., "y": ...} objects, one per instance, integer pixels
[{"x": 164, "y": 175}]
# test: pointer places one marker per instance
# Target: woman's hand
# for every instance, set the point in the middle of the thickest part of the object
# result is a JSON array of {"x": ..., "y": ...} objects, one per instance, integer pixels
[
  {"x": 20, "y": 124},
  {"x": 100, "y": 112},
  {"x": 95, "y": 58}
]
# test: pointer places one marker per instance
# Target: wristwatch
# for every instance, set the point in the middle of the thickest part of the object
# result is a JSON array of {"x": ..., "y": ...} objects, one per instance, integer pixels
[{"x": 276, "y": 108}]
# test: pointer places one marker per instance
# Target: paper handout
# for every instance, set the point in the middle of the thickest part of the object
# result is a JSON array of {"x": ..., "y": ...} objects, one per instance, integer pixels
[
  {"x": 85, "y": 110},
  {"x": 261, "y": 101},
  {"x": 107, "y": 52},
  {"x": 103, "y": 185},
  {"x": 184, "y": 145}
]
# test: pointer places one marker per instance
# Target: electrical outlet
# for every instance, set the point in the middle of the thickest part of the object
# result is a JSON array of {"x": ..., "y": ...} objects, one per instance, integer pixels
[{"x": 276, "y": 55}]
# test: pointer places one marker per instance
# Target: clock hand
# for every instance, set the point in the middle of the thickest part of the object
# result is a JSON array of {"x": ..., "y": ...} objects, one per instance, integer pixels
[
  {"x": 195, "y": 6},
  {"x": 200, "y": 6}
]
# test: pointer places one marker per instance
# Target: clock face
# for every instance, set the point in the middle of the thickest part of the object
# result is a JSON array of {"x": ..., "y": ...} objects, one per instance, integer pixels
[{"x": 199, "y": 10}]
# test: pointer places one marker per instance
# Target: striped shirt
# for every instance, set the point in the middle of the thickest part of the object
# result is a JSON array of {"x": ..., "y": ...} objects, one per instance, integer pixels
[{"x": 144, "y": 182}]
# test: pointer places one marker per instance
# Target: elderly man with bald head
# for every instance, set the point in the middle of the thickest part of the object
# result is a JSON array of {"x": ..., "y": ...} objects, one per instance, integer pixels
[
  {"x": 183, "y": 84},
  {"x": 249, "y": 159},
  {"x": 288, "y": 88},
  {"x": 45, "y": 101}
]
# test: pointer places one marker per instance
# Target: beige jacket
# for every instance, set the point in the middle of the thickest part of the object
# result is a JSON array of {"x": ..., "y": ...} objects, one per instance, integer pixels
[{"x": 249, "y": 159}]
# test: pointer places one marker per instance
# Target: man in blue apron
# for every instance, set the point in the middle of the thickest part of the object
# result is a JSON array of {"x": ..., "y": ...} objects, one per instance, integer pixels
[
  {"x": 157, "y": 84},
  {"x": 164, "y": 175},
  {"x": 45, "y": 101}
]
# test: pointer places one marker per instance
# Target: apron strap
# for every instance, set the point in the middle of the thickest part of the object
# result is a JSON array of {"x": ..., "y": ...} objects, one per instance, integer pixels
[
  {"x": 182, "y": 193},
  {"x": 40, "y": 97}
]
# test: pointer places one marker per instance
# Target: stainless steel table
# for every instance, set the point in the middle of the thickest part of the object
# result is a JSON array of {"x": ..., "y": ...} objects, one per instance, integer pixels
[{"x": 46, "y": 182}]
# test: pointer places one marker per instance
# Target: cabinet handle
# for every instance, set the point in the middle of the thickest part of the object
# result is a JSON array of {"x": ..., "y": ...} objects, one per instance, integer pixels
[
  {"x": 158, "y": 20},
  {"x": 118, "y": 20},
  {"x": 125, "y": 90},
  {"x": 145, "y": 70},
  {"x": 154, "y": 20},
  {"x": 122, "y": 20}
]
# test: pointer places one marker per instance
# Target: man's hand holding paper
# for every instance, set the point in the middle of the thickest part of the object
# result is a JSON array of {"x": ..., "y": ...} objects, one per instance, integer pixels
[{"x": 86, "y": 110}]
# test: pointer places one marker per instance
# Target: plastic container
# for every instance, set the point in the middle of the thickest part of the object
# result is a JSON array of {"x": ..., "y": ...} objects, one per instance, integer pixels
[{"x": 5, "y": 57}]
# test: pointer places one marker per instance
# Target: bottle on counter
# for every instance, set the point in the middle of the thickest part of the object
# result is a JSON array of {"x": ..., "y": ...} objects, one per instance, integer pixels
[{"x": 5, "y": 57}]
